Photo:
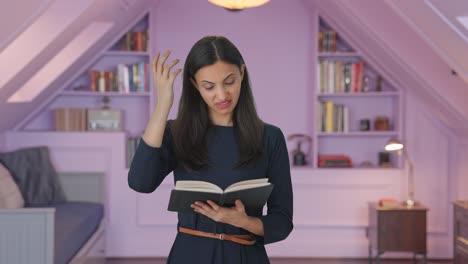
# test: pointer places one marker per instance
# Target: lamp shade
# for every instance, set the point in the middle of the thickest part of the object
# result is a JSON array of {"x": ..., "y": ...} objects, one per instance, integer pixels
[
  {"x": 238, "y": 4},
  {"x": 393, "y": 145}
]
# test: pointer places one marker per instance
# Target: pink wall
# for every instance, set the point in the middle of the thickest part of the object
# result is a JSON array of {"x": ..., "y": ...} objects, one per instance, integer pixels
[{"x": 276, "y": 50}]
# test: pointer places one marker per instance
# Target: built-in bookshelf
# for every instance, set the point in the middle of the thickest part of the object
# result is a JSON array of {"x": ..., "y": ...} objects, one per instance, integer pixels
[
  {"x": 116, "y": 80},
  {"x": 356, "y": 109}
]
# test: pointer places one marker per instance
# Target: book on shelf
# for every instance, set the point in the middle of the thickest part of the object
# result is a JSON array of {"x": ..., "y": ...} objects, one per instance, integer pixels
[
  {"x": 340, "y": 77},
  {"x": 327, "y": 41},
  {"x": 70, "y": 119},
  {"x": 126, "y": 79},
  {"x": 252, "y": 193},
  {"x": 389, "y": 203},
  {"x": 332, "y": 117},
  {"x": 134, "y": 41}
]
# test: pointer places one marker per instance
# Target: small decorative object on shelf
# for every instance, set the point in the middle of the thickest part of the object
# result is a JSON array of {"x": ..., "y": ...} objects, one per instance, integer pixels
[
  {"x": 301, "y": 158},
  {"x": 384, "y": 160},
  {"x": 366, "y": 164},
  {"x": 79, "y": 88},
  {"x": 381, "y": 123},
  {"x": 105, "y": 119},
  {"x": 364, "y": 124},
  {"x": 378, "y": 86},
  {"x": 365, "y": 84}
]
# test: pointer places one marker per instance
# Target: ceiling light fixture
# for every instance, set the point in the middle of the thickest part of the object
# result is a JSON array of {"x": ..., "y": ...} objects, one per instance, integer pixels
[{"x": 235, "y": 5}]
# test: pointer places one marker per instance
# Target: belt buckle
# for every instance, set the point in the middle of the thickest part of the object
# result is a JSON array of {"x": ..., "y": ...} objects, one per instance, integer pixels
[{"x": 221, "y": 236}]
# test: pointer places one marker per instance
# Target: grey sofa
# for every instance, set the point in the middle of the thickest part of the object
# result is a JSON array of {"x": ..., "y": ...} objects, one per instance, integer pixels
[{"x": 49, "y": 229}]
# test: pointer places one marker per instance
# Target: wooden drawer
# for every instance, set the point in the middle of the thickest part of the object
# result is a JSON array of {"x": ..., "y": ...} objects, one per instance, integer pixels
[
  {"x": 461, "y": 215},
  {"x": 461, "y": 230},
  {"x": 461, "y": 253},
  {"x": 460, "y": 246}
]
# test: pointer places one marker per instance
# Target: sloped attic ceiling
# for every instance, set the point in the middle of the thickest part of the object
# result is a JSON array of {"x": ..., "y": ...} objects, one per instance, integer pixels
[
  {"x": 20, "y": 15},
  {"x": 393, "y": 44},
  {"x": 438, "y": 22},
  {"x": 43, "y": 30}
]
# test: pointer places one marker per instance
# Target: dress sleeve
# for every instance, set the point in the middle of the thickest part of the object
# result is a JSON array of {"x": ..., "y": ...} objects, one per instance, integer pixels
[
  {"x": 278, "y": 224},
  {"x": 151, "y": 165}
]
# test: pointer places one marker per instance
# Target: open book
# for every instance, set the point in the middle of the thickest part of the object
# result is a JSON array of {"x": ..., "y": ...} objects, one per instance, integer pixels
[{"x": 253, "y": 193}]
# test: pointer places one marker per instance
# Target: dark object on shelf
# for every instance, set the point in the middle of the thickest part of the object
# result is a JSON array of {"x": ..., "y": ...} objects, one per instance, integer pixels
[
  {"x": 460, "y": 234},
  {"x": 364, "y": 124},
  {"x": 381, "y": 123},
  {"x": 384, "y": 159},
  {"x": 365, "y": 86},
  {"x": 300, "y": 158},
  {"x": 378, "y": 86},
  {"x": 400, "y": 228},
  {"x": 80, "y": 88},
  {"x": 334, "y": 161},
  {"x": 366, "y": 164}
]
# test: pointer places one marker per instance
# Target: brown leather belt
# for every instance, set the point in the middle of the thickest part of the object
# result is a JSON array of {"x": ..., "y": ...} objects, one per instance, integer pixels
[{"x": 241, "y": 239}]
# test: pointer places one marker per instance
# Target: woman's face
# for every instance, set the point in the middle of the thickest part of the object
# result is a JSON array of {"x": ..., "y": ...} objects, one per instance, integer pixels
[{"x": 219, "y": 85}]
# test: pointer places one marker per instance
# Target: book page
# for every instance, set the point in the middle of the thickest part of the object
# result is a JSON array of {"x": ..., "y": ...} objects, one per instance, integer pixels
[
  {"x": 197, "y": 186},
  {"x": 248, "y": 184}
]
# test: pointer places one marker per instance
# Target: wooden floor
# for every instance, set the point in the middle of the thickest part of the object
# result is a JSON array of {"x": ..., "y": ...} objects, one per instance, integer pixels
[{"x": 286, "y": 261}]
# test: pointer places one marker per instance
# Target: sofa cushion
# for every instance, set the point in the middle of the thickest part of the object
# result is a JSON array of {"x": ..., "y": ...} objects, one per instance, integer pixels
[
  {"x": 35, "y": 175},
  {"x": 75, "y": 223},
  {"x": 10, "y": 195}
]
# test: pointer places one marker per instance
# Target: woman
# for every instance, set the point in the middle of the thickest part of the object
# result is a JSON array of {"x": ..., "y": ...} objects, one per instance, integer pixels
[{"x": 217, "y": 137}]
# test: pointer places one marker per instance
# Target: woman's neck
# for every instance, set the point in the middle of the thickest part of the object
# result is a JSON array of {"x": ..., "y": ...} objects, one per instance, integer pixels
[{"x": 221, "y": 120}]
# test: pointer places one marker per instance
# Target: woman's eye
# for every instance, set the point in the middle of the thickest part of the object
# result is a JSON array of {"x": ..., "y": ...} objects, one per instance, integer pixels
[
  {"x": 229, "y": 83},
  {"x": 209, "y": 88}
]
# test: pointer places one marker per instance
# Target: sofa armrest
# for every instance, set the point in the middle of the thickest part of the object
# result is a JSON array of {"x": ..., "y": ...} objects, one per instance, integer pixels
[{"x": 27, "y": 235}]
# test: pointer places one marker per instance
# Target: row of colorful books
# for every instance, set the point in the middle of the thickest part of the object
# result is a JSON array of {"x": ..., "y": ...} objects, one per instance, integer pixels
[
  {"x": 332, "y": 117},
  {"x": 127, "y": 78},
  {"x": 340, "y": 77},
  {"x": 134, "y": 41}
]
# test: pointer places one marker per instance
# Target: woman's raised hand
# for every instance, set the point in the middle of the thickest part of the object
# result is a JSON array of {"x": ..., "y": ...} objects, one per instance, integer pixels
[{"x": 164, "y": 79}]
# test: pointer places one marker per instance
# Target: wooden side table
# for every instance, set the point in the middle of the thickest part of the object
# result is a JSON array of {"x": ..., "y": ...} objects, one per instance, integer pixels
[{"x": 401, "y": 229}]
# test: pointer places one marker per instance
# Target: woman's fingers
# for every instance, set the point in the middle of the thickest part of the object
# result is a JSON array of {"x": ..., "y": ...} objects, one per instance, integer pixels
[
  {"x": 155, "y": 62},
  {"x": 162, "y": 61},
  {"x": 174, "y": 74},
  {"x": 213, "y": 205},
  {"x": 167, "y": 69}
]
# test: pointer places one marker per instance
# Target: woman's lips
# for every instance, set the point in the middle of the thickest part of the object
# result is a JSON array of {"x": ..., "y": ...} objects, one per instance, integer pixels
[{"x": 223, "y": 105}]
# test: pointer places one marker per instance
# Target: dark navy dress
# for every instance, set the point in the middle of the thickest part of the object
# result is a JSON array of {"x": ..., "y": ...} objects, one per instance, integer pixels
[{"x": 151, "y": 165}]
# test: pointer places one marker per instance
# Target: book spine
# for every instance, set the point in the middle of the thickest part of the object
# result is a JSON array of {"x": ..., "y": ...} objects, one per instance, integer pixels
[{"x": 222, "y": 199}]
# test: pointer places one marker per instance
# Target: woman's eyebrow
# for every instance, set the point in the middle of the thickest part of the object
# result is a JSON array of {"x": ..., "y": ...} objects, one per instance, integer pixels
[{"x": 224, "y": 78}]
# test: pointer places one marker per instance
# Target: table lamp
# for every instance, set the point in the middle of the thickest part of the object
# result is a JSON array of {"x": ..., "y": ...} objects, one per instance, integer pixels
[{"x": 396, "y": 145}]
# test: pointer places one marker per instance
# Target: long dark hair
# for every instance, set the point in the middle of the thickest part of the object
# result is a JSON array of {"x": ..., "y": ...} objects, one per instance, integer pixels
[{"x": 190, "y": 129}]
